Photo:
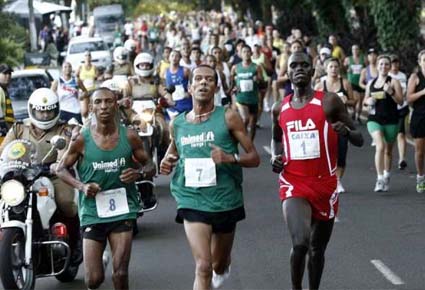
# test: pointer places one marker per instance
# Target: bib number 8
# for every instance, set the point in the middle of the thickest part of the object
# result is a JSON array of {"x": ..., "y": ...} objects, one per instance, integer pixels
[{"x": 112, "y": 205}]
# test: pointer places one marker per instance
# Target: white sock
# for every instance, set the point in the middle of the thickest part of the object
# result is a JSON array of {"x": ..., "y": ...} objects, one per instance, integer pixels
[
  {"x": 420, "y": 177},
  {"x": 380, "y": 177},
  {"x": 386, "y": 174}
]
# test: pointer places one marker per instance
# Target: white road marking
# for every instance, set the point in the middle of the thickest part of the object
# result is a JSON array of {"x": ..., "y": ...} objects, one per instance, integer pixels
[
  {"x": 388, "y": 274},
  {"x": 268, "y": 150}
]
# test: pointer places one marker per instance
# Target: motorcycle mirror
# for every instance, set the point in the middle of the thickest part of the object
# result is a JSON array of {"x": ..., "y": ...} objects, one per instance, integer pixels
[
  {"x": 58, "y": 142},
  {"x": 170, "y": 89}
]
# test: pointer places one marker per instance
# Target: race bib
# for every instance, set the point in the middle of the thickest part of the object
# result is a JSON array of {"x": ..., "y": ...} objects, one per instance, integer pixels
[
  {"x": 304, "y": 145},
  {"x": 356, "y": 69},
  {"x": 246, "y": 86},
  {"x": 179, "y": 93},
  {"x": 378, "y": 95},
  {"x": 112, "y": 203},
  {"x": 200, "y": 172},
  {"x": 152, "y": 35}
]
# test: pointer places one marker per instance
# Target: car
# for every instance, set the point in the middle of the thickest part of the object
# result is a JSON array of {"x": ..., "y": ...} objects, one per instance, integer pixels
[
  {"x": 100, "y": 53},
  {"x": 22, "y": 84}
]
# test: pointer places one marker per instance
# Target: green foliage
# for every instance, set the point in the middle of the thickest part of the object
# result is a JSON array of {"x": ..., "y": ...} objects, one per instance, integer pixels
[
  {"x": 296, "y": 13},
  {"x": 157, "y": 7},
  {"x": 397, "y": 25},
  {"x": 330, "y": 17},
  {"x": 12, "y": 41}
]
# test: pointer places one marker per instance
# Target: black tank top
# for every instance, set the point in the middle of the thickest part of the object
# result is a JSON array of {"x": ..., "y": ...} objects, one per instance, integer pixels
[
  {"x": 385, "y": 107},
  {"x": 341, "y": 90},
  {"x": 419, "y": 104}
]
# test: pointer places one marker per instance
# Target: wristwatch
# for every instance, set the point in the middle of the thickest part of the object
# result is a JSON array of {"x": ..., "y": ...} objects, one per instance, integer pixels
[
  {"x": 142, "y": 173},
  {"x": 237, "y": 157}
]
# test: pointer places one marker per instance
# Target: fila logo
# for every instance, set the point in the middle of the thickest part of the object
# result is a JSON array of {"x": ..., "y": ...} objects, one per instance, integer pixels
[{"x": 298, "y": 125}]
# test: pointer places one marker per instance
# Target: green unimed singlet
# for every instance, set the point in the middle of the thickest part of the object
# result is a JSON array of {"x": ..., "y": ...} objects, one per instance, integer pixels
[
  {"x": 246, "y": 84},
  {"x": 104, "y": 167},
  {"x": 192, "y": 184}
]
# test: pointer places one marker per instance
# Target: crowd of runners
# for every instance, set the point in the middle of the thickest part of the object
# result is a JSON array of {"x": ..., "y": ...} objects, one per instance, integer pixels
[{"x": 214, "y": 79}]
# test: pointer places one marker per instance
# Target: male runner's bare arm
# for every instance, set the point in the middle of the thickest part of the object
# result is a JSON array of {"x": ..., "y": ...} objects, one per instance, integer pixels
[
  {"x": 75, "y": 151},
  {"x": 339, "y": 119},
  {"x": 237, "y": 129},
  {"x": 276, "y": 147},
  {"x": 132, "y": 174},
  {"x": 171, "y": 156}
]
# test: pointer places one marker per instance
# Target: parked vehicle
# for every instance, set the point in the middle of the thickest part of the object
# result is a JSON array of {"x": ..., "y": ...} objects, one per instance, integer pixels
[
  {"x": 22, "y": 84},
  {"x": 107, "y": 20}
]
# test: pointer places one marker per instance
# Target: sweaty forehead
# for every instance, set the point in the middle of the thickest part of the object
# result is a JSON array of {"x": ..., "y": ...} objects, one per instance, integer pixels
[
  {"x": 203, "y": 71},
  {"x": 101, "y": 94}
]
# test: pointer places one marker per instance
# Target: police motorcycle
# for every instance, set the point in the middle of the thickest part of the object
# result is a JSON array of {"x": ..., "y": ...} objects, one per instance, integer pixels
[
  {"x": 147, "y": 105},
  {"x": 33, "y": 242}
]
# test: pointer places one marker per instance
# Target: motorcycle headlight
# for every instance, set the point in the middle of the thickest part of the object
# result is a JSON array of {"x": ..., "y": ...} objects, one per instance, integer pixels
[{"x": 12, "y": 192}]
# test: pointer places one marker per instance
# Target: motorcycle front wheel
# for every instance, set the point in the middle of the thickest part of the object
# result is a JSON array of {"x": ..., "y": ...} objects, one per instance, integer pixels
[{"x": 14, "y": 273}]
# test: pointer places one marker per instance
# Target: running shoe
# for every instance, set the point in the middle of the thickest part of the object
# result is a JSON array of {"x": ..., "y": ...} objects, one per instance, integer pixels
[
  {"x": 105, "y": 259},
  {"x": 218, "y": 280},
  {"x": 420, "y": 185},
  {"x": 386, "y": 184},
  {"x": 339, "y": 187},
  {"x": 402, "y": 165},
  {"x": 379, "y": 186}
]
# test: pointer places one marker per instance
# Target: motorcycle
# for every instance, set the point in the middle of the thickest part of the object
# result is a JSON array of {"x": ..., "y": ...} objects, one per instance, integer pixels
[
  {"x": 150, "y": 131},
  {"x": 33, "y": 241}
]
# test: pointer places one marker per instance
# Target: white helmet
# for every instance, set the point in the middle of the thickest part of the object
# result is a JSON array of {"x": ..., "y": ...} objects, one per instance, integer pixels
[
  {"x": 43, "y": 100},
  {"x": 120, "y": 54},
  {"x": 143, "y": 57},
  {"x": 130, "y": 44}
]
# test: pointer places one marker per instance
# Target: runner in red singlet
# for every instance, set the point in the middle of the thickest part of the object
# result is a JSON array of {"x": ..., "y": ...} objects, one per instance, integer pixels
[{"x": 308, "y": 124}]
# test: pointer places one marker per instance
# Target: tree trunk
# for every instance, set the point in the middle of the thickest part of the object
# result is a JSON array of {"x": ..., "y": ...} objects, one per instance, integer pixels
[{"x": 33, "y": 30}]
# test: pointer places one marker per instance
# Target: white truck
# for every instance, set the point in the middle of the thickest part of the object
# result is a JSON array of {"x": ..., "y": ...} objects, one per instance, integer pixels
[{"x": 107, "y": 19}]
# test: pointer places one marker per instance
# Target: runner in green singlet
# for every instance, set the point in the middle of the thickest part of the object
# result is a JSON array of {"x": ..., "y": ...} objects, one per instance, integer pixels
[
  {"x": 207, "y": 183},
  {"x": 108, "y": 201},
  {"x": 245, "y": 77}
]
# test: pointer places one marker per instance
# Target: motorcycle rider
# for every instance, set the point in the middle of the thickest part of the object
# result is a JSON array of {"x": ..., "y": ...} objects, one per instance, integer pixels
[
  {"x": 145, "y": 85},
  {"x": 131, "y": 45},
  {"x": 43, "y": 123},
  {"x": 122, "y": 67}
]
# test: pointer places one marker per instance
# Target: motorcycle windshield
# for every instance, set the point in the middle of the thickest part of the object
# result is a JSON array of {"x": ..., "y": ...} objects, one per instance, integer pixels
[{"x": 17, "y": 156}]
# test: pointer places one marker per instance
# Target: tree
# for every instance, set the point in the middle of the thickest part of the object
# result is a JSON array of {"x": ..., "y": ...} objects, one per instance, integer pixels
[
  {"x": 12, "y": 42},
  {"x": 397, "y": 25},
  {"x": 296, "y": 13}
]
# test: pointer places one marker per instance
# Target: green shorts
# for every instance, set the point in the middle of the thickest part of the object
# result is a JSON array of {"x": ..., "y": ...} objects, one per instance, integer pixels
[{"x": 390, "y": 131}]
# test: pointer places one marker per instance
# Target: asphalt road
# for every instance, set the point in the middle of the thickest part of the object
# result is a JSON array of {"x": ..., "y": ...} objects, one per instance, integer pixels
[{"x": 377, "y": 243}]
